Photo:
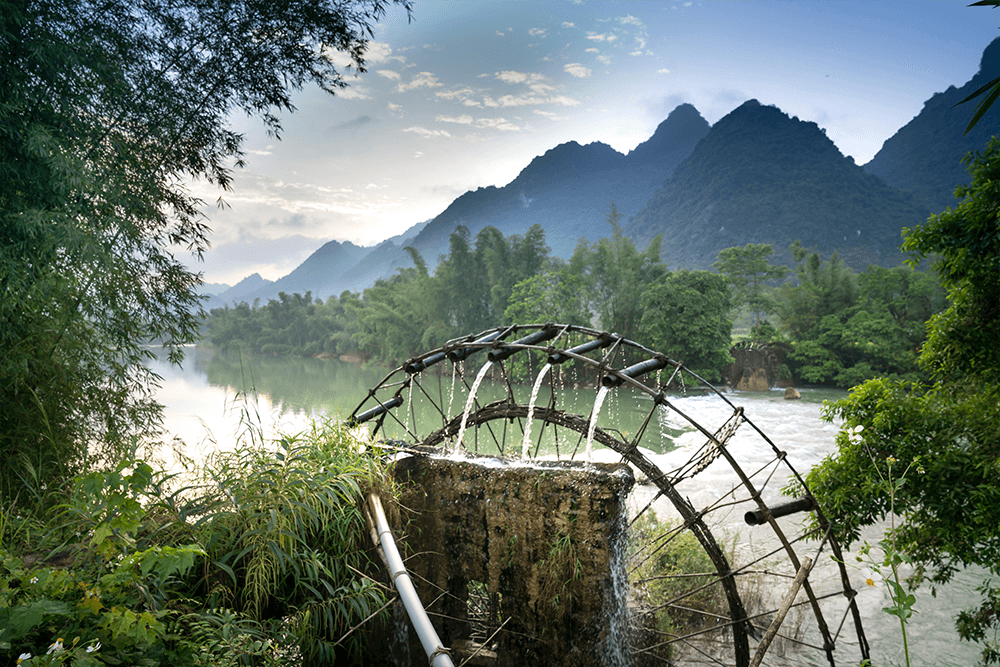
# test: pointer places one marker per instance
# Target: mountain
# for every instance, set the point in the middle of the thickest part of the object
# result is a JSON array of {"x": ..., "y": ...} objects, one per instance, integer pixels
[
  {"x": 759, "y": 176},
  {"x": 322, "y": 273},
  {"x": 243, "y": 289},
  {"x": 569, "y": 189},
  {"x": 925, "y": 156}
]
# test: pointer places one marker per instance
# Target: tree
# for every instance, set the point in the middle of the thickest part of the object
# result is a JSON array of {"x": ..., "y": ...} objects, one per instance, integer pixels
[
  {"x": 747, "y": 271},
  {"x": 554, "y": 296},
  {"x": 108, "y": 110},
  {"x": 686, "y": 317},
  {"x": 616, "y": 274},
  {"x": 951, "y": 513}
]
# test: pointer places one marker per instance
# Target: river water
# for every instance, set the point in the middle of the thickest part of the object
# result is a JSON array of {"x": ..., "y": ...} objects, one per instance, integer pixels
[{"x": 211, "y": 400}]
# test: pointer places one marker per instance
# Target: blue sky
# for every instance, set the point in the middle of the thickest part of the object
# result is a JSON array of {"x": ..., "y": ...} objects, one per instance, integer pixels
[{"x": 469, "y": 91}]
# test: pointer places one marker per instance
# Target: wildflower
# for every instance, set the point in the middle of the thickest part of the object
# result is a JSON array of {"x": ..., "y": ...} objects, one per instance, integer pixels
[
  {"x": 854, "y": 434},
  {"x": 890, "y": 460},
  {"x": 34, "y": 580},
  {"x": 24, "y": 656},
  {"x": 93, "y": 647},
  {"x": 869, "y": 577},
  {"x": 56, "y": 648}
]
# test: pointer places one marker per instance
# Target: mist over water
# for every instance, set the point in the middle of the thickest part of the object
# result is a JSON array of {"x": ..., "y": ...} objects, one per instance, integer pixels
[{"x": 208, "y": 401}]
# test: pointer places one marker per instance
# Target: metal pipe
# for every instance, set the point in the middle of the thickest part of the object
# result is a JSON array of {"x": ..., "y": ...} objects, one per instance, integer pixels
[
  {"x": 461, "y": 353},
  {"x": 418, "y": 365},
  {"x": 635, "y": 370},
  {"x": 757, "y": 518},
  {"x": 377, "y": 411},
  {"x": 436, "y": 652},
  {"x": 507, "y": 349},
  {"x": 598, "y": 343}
]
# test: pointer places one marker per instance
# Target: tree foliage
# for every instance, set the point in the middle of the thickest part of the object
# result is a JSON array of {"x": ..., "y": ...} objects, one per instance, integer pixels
[
  {"x": 615, "y": 274},
  {"x": 748, "y": 272},
  {"x": 108, "y": 110},
  {"x": 847, "y": 327},
  {"x": 685, "y": 315},
  {"x": 950, "y": 513}
]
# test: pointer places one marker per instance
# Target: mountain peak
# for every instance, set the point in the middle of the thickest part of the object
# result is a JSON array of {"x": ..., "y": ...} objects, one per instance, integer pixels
[
  {"x": 674, "y": 138},
  {"x": 924, "y": 157},
  {"x": 990, "y": 62}
]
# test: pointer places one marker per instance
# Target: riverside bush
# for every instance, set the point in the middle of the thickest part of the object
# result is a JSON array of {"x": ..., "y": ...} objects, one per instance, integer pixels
[{"x": 261, "y": 562}]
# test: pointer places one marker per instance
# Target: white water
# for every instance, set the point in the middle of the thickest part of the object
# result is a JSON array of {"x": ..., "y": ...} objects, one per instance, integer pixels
[
  {"x": 469, "y": 402},
  {"x": 598, "y": 402},
  {"x": 796, "y": 427},
  {"x": 526, "y": 441}
]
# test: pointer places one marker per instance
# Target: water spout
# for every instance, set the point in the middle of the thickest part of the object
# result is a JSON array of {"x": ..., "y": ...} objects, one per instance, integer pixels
[
  {"x": 526, "y": 442},
  {"x": 598, "y": 402},
  {"x": 469, "y": 402}
]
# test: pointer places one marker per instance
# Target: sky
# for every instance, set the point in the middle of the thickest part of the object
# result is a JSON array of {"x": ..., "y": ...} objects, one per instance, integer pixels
[{"x": 467, "y": 92}]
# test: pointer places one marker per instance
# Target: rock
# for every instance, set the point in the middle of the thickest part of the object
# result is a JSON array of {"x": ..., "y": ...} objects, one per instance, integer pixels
[
  {"x": 754, "y": 379},
  {"x": 791, "y": 394}
]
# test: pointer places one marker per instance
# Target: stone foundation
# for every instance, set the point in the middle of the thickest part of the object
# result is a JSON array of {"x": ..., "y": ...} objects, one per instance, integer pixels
[{"x": 529, "y": 558}]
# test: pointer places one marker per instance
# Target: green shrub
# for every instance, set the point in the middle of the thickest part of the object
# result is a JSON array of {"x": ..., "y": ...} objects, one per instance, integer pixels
[{"x": 670, "y": 569}]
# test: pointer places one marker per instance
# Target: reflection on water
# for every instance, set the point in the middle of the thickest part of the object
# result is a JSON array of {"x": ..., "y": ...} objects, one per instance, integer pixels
[{"x": 207, "y": 403}]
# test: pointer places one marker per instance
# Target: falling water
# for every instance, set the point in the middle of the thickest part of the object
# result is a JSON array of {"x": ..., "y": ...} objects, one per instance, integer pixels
[
  {"x": 616, "y": 612},
  {"x": 598, "y": 402},
  {"x": 470, "y": 401},
  {"x": 451, "y": 393},
  {"x": 531, "y": 410}
]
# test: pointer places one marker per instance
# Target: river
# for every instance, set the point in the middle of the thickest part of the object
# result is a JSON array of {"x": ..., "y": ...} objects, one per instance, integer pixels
[{"x": 213, "y": 398}]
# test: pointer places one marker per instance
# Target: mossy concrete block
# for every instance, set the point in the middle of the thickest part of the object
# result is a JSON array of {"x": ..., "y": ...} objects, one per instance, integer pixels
[{"x": 531, "y": 547}]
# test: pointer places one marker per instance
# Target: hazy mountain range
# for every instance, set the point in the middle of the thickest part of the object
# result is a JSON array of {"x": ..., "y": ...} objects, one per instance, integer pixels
[{"x": 757, "y": 176}]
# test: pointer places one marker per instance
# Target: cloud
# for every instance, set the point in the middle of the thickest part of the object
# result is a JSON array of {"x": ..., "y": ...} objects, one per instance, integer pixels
[
  {"x": 601, "y": 37},
  {"x": 353, "y": 93},
  {"x": 452, "y": 94},
  {"x": 500, "y": 33},
  {"x": 529, "y": 100},
  {"x": 578, "y": 70},
  {"x": 628, "y": 19},
  {"x": 360, "y": 121},
  {"x": 567, "y": 24},
  {"x": 537, "y": 32},
  {"x": 550, "y": 115},
  {"x": 461, "y": 120},
  {"x": 389, "y": 74},
  {"x": 395, "y": 109},
  {"x": 509, "y": 76},
  {"x": 379, "y": 52},
  {"x": 424, "y": 132},
  {"x": 663, "y": 71},
  {"x": 592, "y": 50},
  {"x": 421, "y": 80},
  {"x": 604, "y": 60},
  {"x": 471, "y": 103},
  {"x": 497, "y": 123}
]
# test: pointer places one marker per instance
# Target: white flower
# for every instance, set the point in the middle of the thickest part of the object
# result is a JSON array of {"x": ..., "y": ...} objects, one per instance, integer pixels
[
  {"x": 23, "y": 657},
  {"x": 854, "y": 434},
  {"x": 869, "y": 576},
  {"x": 56, "y": 648},
  {"x": 34, "y": 580},
  {"x": 93, "y": 647}
]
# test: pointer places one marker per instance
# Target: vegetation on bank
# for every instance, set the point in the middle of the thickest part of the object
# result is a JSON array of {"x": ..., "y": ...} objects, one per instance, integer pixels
[
  {"x": 263, "y": 557},
  {"x": 842, "y": 327},
  {"x": 942, "y": 429}
]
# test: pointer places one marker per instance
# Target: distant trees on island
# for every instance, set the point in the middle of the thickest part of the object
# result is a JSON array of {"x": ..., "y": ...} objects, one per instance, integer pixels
[{"x": 842, "y": 327}]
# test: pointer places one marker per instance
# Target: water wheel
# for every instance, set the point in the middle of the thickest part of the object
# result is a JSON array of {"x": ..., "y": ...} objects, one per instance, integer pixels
[{"x": 725, "y": 606}]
